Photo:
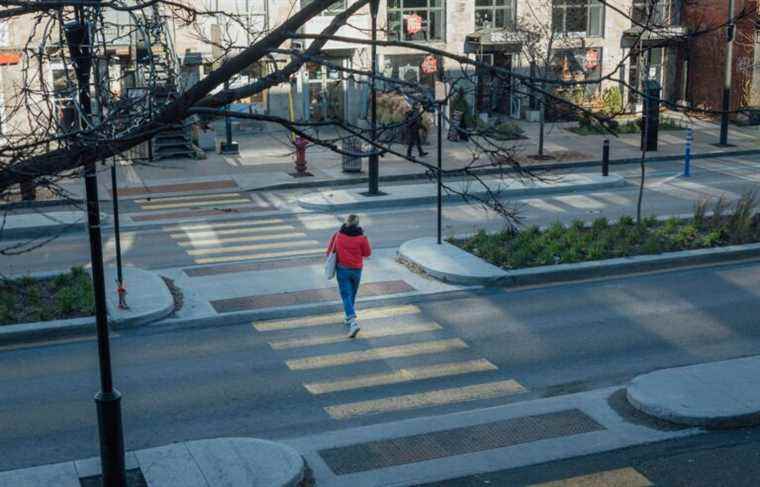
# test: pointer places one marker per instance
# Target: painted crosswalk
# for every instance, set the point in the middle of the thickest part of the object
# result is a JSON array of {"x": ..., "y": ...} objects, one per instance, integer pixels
[
  {"x": 390, "y": 335},
  {"x": 227, "y": 242},
  {"x": 621, "y": 477}
]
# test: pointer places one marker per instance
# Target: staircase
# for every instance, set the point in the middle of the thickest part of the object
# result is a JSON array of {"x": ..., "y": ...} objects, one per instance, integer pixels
[{"x": 158, "y": 69}]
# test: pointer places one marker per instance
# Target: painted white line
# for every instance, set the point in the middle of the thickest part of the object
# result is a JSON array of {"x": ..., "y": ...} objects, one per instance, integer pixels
[
  {"x": 250, "y": 238},
  {"x": 367, "y": 333},
  {"x": 382, "y": 353},
  {"x": 252, "y": 248},
  {"x": 440, "y": 397},
  {"x": 201, "y": 197},
  {"x": 401, "y": 376},
  {"x": 233, "y": 231},
  {"x": 190, "y": 205},
  {"x": 622, "y": 477},
  {"x": 335, "y": 318},
  {"x": 214, "y": 226},
  {"x": 263, "y": 255}
]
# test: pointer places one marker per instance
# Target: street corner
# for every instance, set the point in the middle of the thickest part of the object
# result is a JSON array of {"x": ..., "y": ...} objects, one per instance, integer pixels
[
  {"x": 147, "y": 296},
  {"x": 714, "y": 395},
  {"x": 449, "y": 263}
]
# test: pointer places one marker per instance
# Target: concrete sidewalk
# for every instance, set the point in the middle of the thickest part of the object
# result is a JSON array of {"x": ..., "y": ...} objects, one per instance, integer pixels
[
  {"x": 266, "y": 160},
  {"x": 416, "y": 194},
  {"x": 714, "y": 395},
  {"x": 219, "y": 462}
]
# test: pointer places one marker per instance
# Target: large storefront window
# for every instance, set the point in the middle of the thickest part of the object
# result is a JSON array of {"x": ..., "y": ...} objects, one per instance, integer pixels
[
  {"x": 407, "y": 68},
  {"x": 579, "y": 65},
  {"x": 495, "y": 14},
  {"x": 326, "y": 91},
  {"x": 578, "y": 17},
  {"x": 417, "y": 20},
  {"x": 334, "y": 8}
]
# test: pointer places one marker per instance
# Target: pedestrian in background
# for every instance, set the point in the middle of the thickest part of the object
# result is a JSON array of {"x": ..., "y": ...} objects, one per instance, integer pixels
[
  {"x": 413, "y": 123},
  {"x": 351, "y": 247}
]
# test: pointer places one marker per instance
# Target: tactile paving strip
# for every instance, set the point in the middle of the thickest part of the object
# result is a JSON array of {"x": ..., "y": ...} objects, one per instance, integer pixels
[{"x": 471, "y": 439}]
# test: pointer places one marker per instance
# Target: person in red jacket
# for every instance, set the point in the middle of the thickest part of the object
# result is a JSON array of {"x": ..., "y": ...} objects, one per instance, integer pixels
[{"x": 351, "y": 248}]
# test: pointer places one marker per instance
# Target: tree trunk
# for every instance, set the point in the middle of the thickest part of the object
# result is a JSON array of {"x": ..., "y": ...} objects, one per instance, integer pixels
[{"x": 28, "y": 190}]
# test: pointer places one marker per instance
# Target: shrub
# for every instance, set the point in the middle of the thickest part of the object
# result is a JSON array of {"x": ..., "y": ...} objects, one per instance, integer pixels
[
  {"x": 613, "y": 100},
  {"x": 700, "y": 212}
]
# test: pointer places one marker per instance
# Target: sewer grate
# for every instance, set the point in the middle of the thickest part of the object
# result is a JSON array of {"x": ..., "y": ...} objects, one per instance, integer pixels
[{"x": 471, "y": 439}]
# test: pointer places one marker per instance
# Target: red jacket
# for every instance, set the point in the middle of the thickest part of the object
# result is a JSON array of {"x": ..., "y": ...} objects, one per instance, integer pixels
[{"x": 351, "y": 246}]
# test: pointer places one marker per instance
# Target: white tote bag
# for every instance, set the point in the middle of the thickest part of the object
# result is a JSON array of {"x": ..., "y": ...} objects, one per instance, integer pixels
[{"x": 332, "y": 259}]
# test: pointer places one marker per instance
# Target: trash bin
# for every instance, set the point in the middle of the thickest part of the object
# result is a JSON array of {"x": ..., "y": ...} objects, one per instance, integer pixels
[{"x": 352, "y": 163}]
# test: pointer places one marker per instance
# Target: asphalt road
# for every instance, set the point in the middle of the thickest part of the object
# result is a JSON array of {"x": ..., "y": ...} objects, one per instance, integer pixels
[
  {"x": 153, "y": 246},
  {"x": 232, "y": 381},
  {"x": 719, "y": 459}
]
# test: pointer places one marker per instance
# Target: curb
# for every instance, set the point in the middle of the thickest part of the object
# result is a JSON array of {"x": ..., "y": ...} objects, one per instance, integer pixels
[
  {"x": 690, "y": 396},
  {"x": 628, "y": 265},
  {"x": 480, "y": 272},
  {"x": 161, "y": 307},
  {"x": 584, "y": 270},
  {"x": 55, "y": 229},
  {"x": 323, "y": 183},
  {"x": 318, "y": 201}
]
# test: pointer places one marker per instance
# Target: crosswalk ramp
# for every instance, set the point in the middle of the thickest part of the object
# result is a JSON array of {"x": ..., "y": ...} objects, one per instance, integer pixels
[
  {"x": 400, "y": 361},
  {"x": 226, "y": 242}
]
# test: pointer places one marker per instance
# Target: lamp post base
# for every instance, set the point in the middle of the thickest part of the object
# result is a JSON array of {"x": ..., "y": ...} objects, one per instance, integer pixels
[{"x": 111, "y": 439}]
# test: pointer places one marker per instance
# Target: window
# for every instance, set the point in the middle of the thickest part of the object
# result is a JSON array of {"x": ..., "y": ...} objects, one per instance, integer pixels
[
  {"x": 337, "y": 6},
  {"x": 3, "y": 32},
  {"x": 580, "y": 65},
  {"x": 663, "y": 12},
  {"x": 578, "y": 17},
  {"x": 431, "y": 12},
  {"x": 494, "y": 14}
]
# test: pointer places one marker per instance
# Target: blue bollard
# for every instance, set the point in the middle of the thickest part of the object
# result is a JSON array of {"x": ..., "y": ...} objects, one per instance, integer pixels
[{"x": 687, "y": 156}]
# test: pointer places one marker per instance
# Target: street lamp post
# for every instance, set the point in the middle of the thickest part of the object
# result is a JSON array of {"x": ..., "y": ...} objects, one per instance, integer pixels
[
  {"x": 374, "y": 163},
  {"x": 108, "y": 400},
  {"x": 731, "y": 27}
]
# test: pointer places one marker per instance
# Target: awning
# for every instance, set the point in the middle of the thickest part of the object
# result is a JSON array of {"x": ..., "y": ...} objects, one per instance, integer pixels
[
  {"x": 10, "y": 58},
  {"x": 493, "y": 40},
  {"x": 663, "y": 36}
]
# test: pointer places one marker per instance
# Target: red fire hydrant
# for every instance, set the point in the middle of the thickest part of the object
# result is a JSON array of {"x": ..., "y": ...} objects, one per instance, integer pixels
[{"x": 301, "y": 143}]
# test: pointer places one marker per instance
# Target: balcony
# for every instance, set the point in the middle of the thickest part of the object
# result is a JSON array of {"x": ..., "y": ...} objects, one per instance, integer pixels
[{"x": 659, "y": 24}]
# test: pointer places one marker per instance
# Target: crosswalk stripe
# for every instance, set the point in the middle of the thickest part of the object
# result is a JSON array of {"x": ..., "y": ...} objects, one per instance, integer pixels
[
  {"x": 233, "y": 231},
  {"x": 366, "y": 334},
  {"x": 401, "y": 375},
  {"x": 439, "y": 397},
  {"x": 199, "y": 204},
  {"x": 250, "y": 238},
  {"x": 249, "y": 248},
  {"x": 261, "y": 255},
  {"x": 213, "y": 226},
  {"x": 622, "y": 477},
  {"x": 400, "y": 351},
  {"x": 335, "y": 318},
  {"x": 202, "y": 197}
]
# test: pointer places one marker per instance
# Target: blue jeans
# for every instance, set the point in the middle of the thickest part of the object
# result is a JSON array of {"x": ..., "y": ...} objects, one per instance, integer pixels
[{"x": 348, "y": 284}]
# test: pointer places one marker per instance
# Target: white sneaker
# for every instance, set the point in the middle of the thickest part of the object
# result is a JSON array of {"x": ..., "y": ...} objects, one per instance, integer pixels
[
  {"x": 347, "y": 321},
  {"x": 354, "y": 329}
]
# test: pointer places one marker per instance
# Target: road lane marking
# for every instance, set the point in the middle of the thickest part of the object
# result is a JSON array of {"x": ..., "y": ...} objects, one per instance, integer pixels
[
  {"x": 382, "y": 353},
  {"x": 249, "y": 248},
  {"x": 401, "y": 376},
  {"x": 212, "y": 226},
  {"x": 201, "y": 197},
  {"x": 250, "y": 238},
  {"x": 199, "y": 204},
  {"x": 367, "y": 333},
  {"x": 335, "y": 318},
  {"x": 623, "y": 477},
  {"x": 261, "y": 255},
  {"x": 233, "y": 231},
  {"x": 439, "y": 397}
]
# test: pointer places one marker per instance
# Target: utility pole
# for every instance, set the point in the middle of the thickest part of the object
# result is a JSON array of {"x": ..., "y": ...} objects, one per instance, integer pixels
[
  {"x": 374, "y": 162},
  {"x": 108, "y": 400},
  {"x": 730, "y": 34}
]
